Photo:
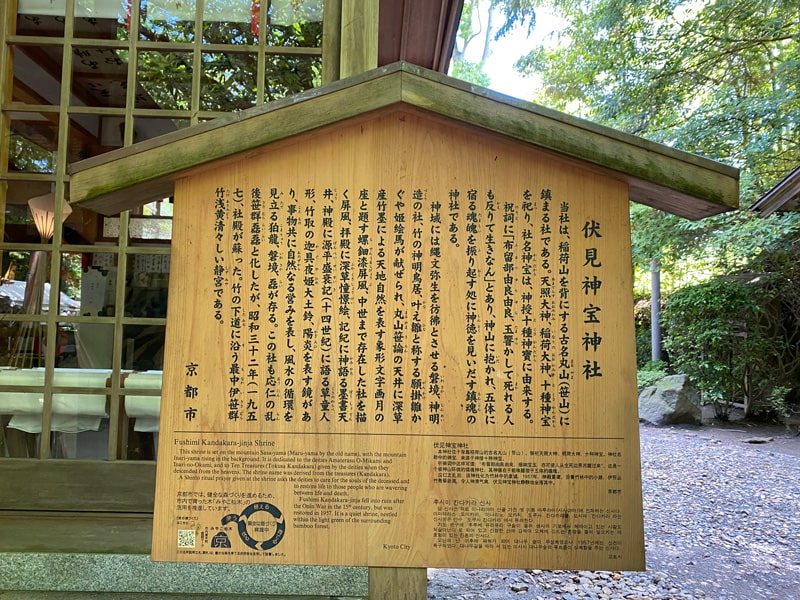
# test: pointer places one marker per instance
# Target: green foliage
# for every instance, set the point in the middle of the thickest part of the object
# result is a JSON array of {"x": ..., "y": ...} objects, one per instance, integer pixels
[
  {"x": 714, "y": 78},
  {"x": 737, "y": 336},
  {"x": 642, "y": 320},
  {"x": 26, "y": 155},
  {"x": 650, "y": 374},
  {"x": 70, "y": 279},
  {"x": 471, "y": 72},
  {"x": 777, "y": 405},
  {"x": 718, "y": 244},
  {"x": 717, "y": 78},
  {"x": 518, "y": 13},
  {"x": 474, "y": 30},
  {"x": 477, "y": 30},
  {"x": 712, "y": 337},
  {"x": 229, "y": 78}
]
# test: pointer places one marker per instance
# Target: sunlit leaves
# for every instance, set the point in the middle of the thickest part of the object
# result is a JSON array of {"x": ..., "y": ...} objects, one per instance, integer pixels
[{"x": 714, "y": 78}]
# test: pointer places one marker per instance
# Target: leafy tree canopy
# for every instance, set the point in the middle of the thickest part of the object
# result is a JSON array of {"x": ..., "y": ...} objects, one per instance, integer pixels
[
  {"x": 228, "y": 78},
  {"x": 716, "y": 78},
  {"x": 483, "y": 22}
]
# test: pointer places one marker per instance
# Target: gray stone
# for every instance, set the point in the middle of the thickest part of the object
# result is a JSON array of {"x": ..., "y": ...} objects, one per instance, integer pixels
[
  {"x": 671, "y": 400},
  {"x": 106, "y": 575}
]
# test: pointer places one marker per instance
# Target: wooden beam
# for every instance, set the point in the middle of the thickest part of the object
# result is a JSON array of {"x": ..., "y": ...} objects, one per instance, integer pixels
[
  {"x": 359, "y": 51},
  {"x": 397, "y": 583},
  {"x": 78, "y": 485},
  {"x": 331, "y": 41},
  {"x": 34, "y": 531}
]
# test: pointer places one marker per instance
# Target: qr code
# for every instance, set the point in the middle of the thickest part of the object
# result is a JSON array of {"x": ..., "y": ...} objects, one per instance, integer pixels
[{"x": 186, "y": 538}]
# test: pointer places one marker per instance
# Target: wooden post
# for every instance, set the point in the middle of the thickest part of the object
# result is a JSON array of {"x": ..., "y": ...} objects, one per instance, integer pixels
[
  {"x": 359, "y": 52},
  {"x": 331, "y": 40},
  {"x": 397, "y": 583},
  {"x": 8, "y": 13}
]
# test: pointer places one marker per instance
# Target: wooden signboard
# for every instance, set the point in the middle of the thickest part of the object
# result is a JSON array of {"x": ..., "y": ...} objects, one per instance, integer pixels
[{"x": 400, "y": 341}]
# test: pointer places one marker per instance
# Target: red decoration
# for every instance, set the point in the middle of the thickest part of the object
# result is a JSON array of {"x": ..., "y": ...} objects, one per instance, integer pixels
[{"x": 254, "y": 19}]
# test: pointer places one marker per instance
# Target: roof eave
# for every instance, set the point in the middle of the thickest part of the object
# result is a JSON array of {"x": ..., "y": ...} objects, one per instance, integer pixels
[
  {"x": 785, "y": 195},
  {"x": 668, "y": 179}
]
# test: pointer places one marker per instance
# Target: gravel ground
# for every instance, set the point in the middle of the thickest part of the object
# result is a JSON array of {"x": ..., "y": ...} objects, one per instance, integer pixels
[{"x": 721, "y": 517}]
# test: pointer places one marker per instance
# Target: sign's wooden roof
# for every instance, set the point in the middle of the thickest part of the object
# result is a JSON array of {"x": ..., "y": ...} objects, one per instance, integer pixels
[
  {"x": 658, "y": 176},
  {"x": 784, "y": 196}
]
